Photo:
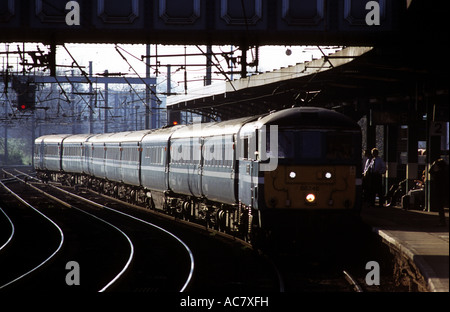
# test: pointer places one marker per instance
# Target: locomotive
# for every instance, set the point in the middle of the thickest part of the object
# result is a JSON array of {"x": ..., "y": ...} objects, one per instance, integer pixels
[{"x": 249, "y": 176}]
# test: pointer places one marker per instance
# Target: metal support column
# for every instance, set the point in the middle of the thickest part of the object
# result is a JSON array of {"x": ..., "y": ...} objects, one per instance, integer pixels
[
  {"x": 91, "y": 102},
  {"x": 412, "y": 148},
  {"x": 391, "y": 153},
  {"x": 148, "y": 105},
  {"x": 106, "y": 104},
  {"x": 244, "y": 49},
  {"x": 208, "y": 78},
  {"x": 371, "y": 133},
  {"x": 433, "y": 150}
]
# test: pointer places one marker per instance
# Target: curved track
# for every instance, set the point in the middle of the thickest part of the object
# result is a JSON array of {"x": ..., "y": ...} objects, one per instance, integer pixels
[
  {"x": 157, "y": 234},
  {"x": 8, "y": 234},
  {"x": 49, "y": 257},
  {"x": 168, "y": 274},
  {"x": 222, "y": 261}
]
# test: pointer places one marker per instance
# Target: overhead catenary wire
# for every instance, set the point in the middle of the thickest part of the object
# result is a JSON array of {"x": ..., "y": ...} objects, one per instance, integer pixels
[
  {"x": 137, "y": 74},
  {"x": 82, "y": 98},
  {"x": 219, "y": 68}
]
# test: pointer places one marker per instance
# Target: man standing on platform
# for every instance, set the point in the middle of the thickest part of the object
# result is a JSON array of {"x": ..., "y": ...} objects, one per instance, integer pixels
[{"x": 377, "y": 168}]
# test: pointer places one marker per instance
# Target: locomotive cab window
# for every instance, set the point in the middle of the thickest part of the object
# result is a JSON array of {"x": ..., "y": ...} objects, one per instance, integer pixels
[
  {"x": 313, "y": 145},
  {"x": 340, "y": 146}
]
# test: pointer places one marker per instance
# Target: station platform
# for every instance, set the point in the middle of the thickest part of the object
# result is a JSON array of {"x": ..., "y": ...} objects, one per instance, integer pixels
[{"x": 416, "y": 237}]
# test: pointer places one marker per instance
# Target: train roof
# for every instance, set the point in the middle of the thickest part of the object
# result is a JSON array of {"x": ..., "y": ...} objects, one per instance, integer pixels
[
  {"x": 51, "y": 138},
  {"x": 308, "y": 117},
  {"x": 161, "y": 134},
  {"x": 212, "y": 128},
  {"x": 77, "y": 138},
  {"x": 119, "y": 137}
]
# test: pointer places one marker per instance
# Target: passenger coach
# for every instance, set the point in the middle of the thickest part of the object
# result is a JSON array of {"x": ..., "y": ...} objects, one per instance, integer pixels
[
  {"x": 257, "y": 174},
  {"x": 47, "y": 153}
]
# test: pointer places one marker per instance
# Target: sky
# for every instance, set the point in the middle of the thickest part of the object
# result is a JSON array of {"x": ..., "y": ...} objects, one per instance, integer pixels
[{"x": 106, "y": 57}]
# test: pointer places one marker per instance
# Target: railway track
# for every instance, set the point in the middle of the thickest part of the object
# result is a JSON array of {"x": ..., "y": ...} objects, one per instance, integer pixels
[
  {"x": 224, "y": 264},
  {"x": 34, "y": 257},
  {"x": 328, "y": 280},
  {"x": 295, "y": 275},
  {"x": 82, "y": 234},
  {"x": 352, "y": 281},
  {"x": 7, "y": 228},
  {"x": 102, "y": 257}
]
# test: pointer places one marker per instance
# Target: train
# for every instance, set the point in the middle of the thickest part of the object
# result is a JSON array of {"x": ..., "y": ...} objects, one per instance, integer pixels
[{"x": 250, "y": 176}]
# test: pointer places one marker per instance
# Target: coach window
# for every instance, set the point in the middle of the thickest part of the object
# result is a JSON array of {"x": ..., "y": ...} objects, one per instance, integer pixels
[
  {"x": 229, "y": 149},
  {"x": 131, "y": 153},
  {"x": 252, "y": 146},
  {"x": 98, "y": 152},
  {"x": 51, "y": 150},
  {"x": 179, "y": 159},
  {"x": 222, "y": 156},
  {"x": 245, "y": 148},
  {"x": 114, "y": 152},
  {"x": 155, "y": 155},
  {"x": 126, "y": 155},
  {"x": 159, "y": 152}
]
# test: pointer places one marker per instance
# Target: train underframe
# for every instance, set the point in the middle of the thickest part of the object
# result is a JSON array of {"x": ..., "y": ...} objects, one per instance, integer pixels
[
  {"x": 273, "y": 228},
  {"x": 238, "y": 220}
]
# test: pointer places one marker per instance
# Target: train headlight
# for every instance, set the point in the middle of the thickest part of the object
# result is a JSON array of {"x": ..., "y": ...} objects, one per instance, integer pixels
[
  {"x": 292, "y": 175},
  {"x": 310, "y": 198},
  {"x": 328, "y": 175}
]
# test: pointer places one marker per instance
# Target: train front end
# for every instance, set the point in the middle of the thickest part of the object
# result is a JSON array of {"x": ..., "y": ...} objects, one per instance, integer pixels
[
  {"x": 314, "y": 180},
  {"x": 317, "y": 170}
]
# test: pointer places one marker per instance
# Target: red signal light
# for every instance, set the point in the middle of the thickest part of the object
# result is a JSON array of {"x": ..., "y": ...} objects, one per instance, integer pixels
[{"x": 175, "y": 123}]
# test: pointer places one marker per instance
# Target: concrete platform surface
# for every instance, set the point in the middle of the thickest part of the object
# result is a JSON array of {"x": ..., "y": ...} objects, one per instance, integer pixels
[{"x": 418, "y": 236}]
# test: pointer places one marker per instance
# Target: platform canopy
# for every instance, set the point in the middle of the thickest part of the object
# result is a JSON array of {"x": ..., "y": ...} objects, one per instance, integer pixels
[{"x": 352, "y": 80}]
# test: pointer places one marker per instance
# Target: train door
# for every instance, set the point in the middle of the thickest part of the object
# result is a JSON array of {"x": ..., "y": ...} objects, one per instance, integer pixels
[
  {"x": 246, "y": 154},
  {"x": 85, "y": 152},
  {"x": 40, "y": 153},
  {"x": 90, "y": 158},
  {"x": 195, "y": 167},
  {"x": 185, "y": 166}
]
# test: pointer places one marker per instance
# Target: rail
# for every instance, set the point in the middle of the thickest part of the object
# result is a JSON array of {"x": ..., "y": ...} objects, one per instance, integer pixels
[
  {"x": 130, "y": 258},
  {"x": 190, "y": 254},
  {"x": 352, "y": 282},
  {"x": 12, "y": 230},
  {"x": 51, "y": 221}
]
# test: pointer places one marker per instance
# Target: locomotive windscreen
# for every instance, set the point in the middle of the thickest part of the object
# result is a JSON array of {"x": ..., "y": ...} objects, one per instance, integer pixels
[{"x": 313, "y": 146}]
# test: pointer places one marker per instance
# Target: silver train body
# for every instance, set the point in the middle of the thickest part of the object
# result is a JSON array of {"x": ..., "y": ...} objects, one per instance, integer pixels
[{"x": 242, "y": 176}]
